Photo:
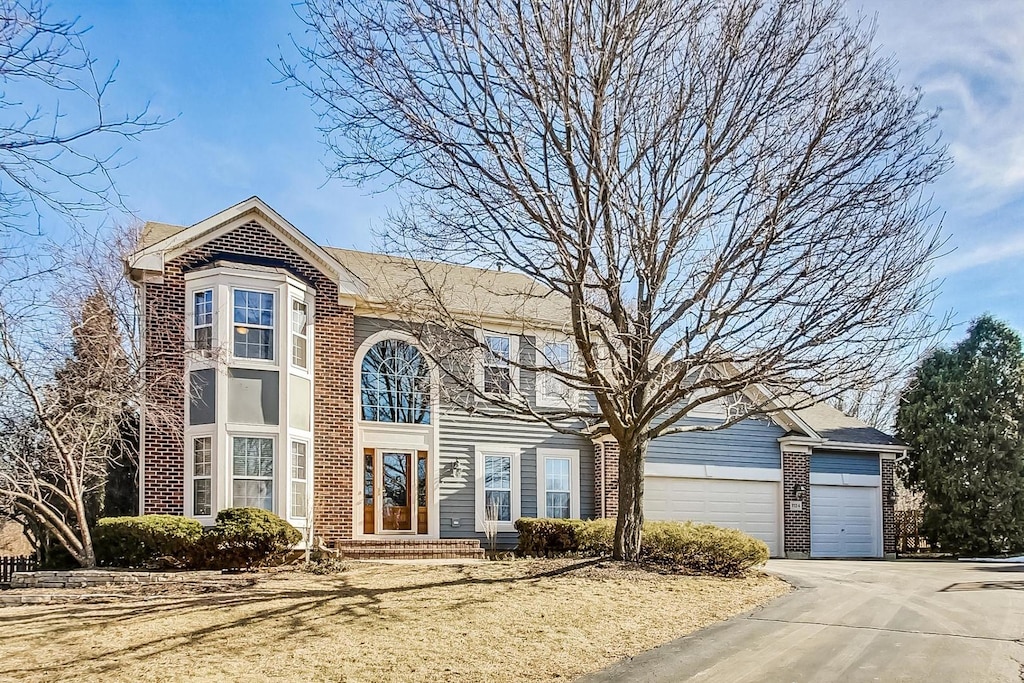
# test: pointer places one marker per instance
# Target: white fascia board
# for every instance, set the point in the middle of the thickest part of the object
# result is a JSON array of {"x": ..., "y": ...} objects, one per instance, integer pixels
[
  {"x": 891, "y": 449},
  {"x": 663, "y": 469},
  {"x": 152, "y": 258},
  {"x": 829, "y": 479}
]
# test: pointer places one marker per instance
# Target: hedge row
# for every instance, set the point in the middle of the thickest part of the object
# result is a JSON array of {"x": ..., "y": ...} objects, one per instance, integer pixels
[
  {"x": 242, "y": 538},
  {"x": 696, "y": 548}
]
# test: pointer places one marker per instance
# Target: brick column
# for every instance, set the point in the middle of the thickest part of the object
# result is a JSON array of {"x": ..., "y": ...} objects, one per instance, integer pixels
[
  {"x": 606, "y": 478},
  {"x": 888, "y": 510},
  {"x": 796, "y": 471}
]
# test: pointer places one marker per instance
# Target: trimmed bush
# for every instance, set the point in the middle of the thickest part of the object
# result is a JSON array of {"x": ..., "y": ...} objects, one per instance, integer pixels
[
  {"x": 244, "y": 538},
  {"x": 145, "y": 541},
  {"x": 547, "y": 537},
  {"x": 702, "y": 548},
  {"x": 696, "y": 548}
]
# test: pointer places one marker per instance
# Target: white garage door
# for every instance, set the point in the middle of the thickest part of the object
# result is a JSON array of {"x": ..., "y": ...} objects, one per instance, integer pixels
[
  {"x": 750, "y": 506},
  {"x": 844, "y": 521}
]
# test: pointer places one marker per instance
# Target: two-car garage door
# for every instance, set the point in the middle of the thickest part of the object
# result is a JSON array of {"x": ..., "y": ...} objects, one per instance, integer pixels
[{"x": 750, "y": 506}]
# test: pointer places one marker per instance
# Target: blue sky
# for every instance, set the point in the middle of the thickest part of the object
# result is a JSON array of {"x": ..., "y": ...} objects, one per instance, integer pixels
[{"x": 238, "y": 133}]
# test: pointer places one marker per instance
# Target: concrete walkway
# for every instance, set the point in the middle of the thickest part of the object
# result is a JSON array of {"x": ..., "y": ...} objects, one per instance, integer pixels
[{"x": 859, "y": 621}]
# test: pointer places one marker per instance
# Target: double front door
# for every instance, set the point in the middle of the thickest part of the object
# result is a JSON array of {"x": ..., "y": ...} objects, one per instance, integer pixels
[{"x": 394, "y": 491}]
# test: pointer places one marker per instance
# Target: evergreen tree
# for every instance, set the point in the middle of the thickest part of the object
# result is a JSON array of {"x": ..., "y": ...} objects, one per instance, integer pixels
[{"x": 962, "y": 417}]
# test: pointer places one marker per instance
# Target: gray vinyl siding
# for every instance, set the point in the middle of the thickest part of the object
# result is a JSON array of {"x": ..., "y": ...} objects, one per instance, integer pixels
[
  {"x": 461, "y": 434},
  {"x": 841, "y": 462},
  {"x": 751, "y": 443}
]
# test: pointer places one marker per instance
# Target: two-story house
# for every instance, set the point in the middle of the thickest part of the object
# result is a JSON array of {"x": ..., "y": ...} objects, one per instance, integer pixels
[{"x": 279, "y": 378}]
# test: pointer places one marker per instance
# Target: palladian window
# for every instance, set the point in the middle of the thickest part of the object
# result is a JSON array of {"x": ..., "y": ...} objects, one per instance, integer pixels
[{"x": 395, "y": 384}]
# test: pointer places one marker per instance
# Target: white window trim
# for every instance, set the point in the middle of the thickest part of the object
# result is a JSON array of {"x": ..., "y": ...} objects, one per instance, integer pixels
[
  {"x": 292, "y": 480},
  {"x": 274, "y": 478},
  {"x": 517, "y": 491},
  {"x": 571, "y": 397},
  {"x": 297, "y": 369},
  {"x": 192, "y": 478},
  {"x": 275, "y": 352},
  {"x": 574, "y": 479},
  {"x": 212, "y": 325},
  {"x": 482, "y": 357}
]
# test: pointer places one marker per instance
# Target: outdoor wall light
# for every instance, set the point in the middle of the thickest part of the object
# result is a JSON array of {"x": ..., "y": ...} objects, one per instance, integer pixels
[
  {"x": 458, "y": 469},
  {"x": 799, "y": 490},
  {"x": 890, "y": 496}
]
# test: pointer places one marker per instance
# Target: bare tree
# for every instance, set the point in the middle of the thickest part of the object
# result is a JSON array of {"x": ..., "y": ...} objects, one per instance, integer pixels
[
  {"x": 55, "y": 123},
  {"x": 726, "y": 196},
  {"x": 72, "y": 380}
]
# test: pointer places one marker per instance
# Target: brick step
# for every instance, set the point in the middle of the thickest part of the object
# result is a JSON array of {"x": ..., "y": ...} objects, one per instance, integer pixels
[{"x": 409, "y": 549}]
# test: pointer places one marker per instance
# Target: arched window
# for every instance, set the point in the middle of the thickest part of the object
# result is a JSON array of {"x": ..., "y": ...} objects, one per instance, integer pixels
[{"x": 395, "y": 384}]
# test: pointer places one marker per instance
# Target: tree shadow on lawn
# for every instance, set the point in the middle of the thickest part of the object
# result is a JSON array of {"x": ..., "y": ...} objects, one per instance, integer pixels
[{"x": 303, "y": 613}]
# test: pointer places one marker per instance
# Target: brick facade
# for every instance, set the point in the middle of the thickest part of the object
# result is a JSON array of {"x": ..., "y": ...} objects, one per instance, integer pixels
[
  {"x": 796, "y": 472},
  {"x": 606, "y": 478},
  {"x": 888, "y": 509},
  {"x": 163, "y": 449}
]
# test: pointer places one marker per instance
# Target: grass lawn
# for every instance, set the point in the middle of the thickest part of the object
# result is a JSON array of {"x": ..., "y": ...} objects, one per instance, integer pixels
[{"x": 494, "y": 621}]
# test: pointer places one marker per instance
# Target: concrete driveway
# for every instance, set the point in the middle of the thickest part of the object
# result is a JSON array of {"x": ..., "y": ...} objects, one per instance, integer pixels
[{"x": 859, "y": 621}]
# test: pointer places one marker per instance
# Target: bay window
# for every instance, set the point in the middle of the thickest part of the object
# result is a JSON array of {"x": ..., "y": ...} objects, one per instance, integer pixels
[
  {"x": 300, "y": 341},
  {"x": 299, "y": 480}
]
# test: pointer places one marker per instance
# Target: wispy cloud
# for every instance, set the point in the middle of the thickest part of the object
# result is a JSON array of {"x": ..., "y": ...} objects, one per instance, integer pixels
[
  {"x": 980, "y": 255},
  {"x": 969, "y": 58}
]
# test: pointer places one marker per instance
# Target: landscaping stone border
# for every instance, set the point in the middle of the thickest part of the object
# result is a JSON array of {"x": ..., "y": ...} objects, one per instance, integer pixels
[{"x": 92, "y": 578}]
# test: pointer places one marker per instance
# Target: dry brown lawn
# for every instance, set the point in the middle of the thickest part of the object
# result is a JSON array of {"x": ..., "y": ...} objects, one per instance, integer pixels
[{"x": 499, "y": 621}]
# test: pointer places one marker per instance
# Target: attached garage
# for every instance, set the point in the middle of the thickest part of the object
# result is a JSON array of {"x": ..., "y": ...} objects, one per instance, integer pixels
[
  {"x": 750, "y": 506},
  {"x": 846, "y": 505}
]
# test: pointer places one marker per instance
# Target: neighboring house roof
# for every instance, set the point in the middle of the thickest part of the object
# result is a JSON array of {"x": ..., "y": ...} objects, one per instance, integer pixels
[
  {"x": 465, "y": 291},
  {"x": 837, "y": 428}
]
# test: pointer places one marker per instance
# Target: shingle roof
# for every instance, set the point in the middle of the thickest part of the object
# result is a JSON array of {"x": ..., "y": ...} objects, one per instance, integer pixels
[
  {"x": 153, "y": 232},
  {"x": 465, "y": 290},
  {"x": 834, "y": 425}
]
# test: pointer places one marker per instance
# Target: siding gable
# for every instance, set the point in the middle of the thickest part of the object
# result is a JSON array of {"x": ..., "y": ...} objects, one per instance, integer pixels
[{"x": 750, "y": 443}]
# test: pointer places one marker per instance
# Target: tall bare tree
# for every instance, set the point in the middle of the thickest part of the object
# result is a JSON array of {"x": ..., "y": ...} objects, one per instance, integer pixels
[
  {"x": 70, "y": 391},
  {"x": 726, "y": 195}
]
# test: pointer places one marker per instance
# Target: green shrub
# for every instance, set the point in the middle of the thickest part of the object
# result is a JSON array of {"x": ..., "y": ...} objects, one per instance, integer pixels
[
  {"x": 547, "y": 537},
  {"x": 702, "y": 548},
  {"x": 146, "y": 540},
  {"x": 244, "y": 538},
  {"x": 696, "y": 548}
]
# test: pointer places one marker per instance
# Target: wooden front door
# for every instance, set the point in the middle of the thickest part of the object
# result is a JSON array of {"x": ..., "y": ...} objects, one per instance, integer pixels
[{"x": 394, "y": 491}]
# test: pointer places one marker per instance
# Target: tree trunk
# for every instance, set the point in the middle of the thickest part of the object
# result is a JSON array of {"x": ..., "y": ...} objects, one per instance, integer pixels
[{"x": 629, "y": 525}]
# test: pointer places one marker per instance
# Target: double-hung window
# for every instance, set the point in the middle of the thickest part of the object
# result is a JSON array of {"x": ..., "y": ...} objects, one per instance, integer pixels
[
  {"x": 254, "y": 324},
  {"x": 252, "y": 472},
  {"x": 299, "y": 452},
  {"x": 498, "y": 487},
  {"x": 300, "y": 339},
  {"x": 202, "y": 476},
  {"x": 552, "y": 390},
  {"x": 497, "y": 367},
  {"x": 558, "y": 483},
  {"x": 498, "y": 491},
  {"x": 202, "y": 320}
]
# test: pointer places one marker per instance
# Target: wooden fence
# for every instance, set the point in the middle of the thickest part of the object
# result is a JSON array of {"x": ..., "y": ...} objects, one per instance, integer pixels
[
  {"x": 9, "y": 565},
  {"x": 909, "y": 538}
]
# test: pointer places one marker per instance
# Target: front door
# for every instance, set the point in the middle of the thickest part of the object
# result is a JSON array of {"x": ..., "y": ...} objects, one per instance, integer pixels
[{"x": 394, "y": 491}]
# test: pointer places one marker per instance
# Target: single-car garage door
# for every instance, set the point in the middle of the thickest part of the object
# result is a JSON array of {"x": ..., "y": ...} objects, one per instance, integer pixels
[
  {"x": 844, "y": 521},
  {"x": 750, "y": 506}
]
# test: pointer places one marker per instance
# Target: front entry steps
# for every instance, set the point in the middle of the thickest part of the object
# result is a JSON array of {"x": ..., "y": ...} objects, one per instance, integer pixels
[{"x": 409, "y": 549}]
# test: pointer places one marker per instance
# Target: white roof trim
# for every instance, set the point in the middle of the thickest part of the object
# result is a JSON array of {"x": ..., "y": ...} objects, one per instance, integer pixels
[
  {"x": 153, "y": 257},
  {"x": 871, "y": 447}
]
